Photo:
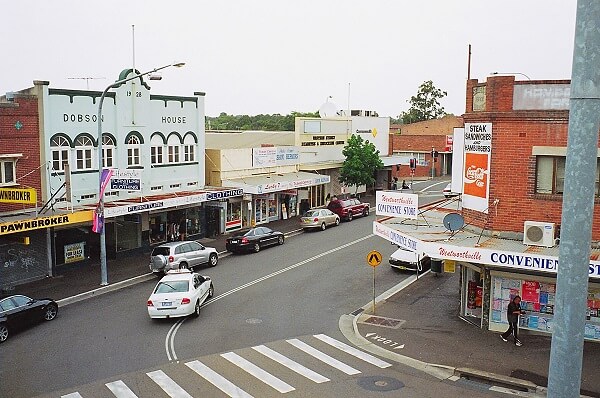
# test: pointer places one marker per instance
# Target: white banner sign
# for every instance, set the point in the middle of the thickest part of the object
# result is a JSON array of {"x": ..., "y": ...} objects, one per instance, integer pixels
[
  {"x": 74, "y": 252},
  {"x": 396, "y": 204},
  {"x": 126, "y": 180},
  {"x": 264, "y": 157}
]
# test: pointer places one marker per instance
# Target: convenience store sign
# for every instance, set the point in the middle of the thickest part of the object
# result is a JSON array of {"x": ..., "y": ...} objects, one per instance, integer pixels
[{"x": 525, "y": 261}]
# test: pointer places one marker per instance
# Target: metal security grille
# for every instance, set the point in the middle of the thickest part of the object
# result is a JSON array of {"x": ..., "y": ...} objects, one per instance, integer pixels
[{"x": 23, "y": 258}]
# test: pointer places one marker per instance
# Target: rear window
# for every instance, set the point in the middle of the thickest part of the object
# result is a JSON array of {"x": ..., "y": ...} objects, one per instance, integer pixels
[
  {"x": 160, "y": 251},
  {"x": 172, "y": 287},
  {"x": 311, "y": 213}
]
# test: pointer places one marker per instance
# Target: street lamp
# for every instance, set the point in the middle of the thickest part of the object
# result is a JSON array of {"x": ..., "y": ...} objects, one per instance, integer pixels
[
  {"x": 99, "y": 212},
  {"x": 510, "y": 73}
]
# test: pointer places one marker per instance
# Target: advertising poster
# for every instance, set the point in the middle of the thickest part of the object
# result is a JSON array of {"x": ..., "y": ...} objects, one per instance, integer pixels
[
  {"x": 74, "y": 252},
  {"x": 477, "y": 160}
]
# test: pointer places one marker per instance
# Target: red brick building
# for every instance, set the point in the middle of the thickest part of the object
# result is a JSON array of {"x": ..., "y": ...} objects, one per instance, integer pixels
[
  {"x": 528, "y": 147},
  {"x": 417, "y": 140}
]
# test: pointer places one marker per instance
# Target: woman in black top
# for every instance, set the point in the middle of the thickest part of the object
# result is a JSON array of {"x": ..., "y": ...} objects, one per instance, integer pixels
[{"x": 512, "y": 312}]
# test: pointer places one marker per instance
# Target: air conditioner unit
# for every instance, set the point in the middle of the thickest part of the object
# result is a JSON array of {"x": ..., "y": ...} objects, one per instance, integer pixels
[{"x": 537, "y": 233}]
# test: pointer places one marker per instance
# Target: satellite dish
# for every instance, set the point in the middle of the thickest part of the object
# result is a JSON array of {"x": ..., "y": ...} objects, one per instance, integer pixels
[
  {"x": 453, "y": 222},
  {"x": 328, "y": 109}
]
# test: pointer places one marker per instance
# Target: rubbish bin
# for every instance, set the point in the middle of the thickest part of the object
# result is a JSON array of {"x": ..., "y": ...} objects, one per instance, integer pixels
[{"x": 436, "y": 266}]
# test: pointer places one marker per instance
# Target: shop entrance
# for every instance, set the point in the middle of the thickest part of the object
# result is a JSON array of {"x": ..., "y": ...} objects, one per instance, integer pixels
[
  {"x": 261, "y": 214},
  {"x": 213, "y": 221},
  {"x": 472, "y": 295}
]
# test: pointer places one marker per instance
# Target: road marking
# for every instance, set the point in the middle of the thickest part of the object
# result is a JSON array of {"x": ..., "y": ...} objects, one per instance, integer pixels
[
  {"x": 349, "y": 370},
  {"x": 353, "y": 351},
  {"x": 170, "y": 338},
  {"x": 120, "y": 389},
  {"x": 291, "y": 364},
  {"x": 217, "y": 380},
  {"x": 72, "y": 395},
  {"x": 168, "y": 385},
  {"x": 257, "y": 372}
]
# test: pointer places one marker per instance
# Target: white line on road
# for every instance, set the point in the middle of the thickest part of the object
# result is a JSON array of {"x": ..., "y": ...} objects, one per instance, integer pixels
[
  {"x": 168, "y": 385},
  {"x": 257, "y": 372},
  {"x": 217, "y": 380},
  {"x": 72, "y": 395},
  {"x": 291, "y": 364},
  {"x": 120, "y": 389},
  {"x": 353, "y": 351},
  {"x": 349, "y": 370}
]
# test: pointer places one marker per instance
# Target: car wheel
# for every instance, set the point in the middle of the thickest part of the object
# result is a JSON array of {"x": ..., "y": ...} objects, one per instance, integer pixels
[
  {"x": 280, "y": 240},
  {"x": 197, "y": 309},
  {"x": 366, "y": 212},
  {"x": 3, "y": 332},
  {"x": 323, "y": 226},
  {"x": 183, "y": 265},
  {"x": 337, "y": 221},
  {"x": 350, "y": 215},
  {"x": 51, "y": 312},
  {"x": 256, "y": 248},
  {"x": 211, "y": 291},
  {"x": 213, "y": 259}
]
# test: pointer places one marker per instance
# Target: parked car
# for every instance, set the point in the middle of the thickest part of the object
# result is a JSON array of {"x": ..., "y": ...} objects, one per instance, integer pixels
[
  {"x": 179, "y": 293},
  {"x": 18, "y": 312},
  {"x": 254, "y": 239},
  {"x": 405, "y": 260},
  {"x": 347, "y": 209},
  {"x": 319, "y": 218},
  {"x": 448, "y": 191},
  {"x": 182, "y": 254}
]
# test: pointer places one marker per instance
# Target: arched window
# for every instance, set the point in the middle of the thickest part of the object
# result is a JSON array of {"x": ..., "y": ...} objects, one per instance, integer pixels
[
  {"x": 173, "y": 145},
  {"x": 108, "y": 151},
  {"x": 59, "y": 146},
  {"x": 189, "y": 148},
  {"x": 156, "y": 149},
  {"x": 133, "y": 150},
  {"x": 84, "y": 146}
]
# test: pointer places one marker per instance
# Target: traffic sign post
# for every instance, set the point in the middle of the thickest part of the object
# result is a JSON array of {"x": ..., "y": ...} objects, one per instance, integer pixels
[{"x": 374, "y": 259}]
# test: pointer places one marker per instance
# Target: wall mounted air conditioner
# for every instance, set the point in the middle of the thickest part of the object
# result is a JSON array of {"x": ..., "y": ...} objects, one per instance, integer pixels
[{"x": 537, "y": 233}]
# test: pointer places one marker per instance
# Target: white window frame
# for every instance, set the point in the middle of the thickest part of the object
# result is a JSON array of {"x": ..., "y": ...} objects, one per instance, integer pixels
[
  {"x": 108, "y": 151},
  {"x": 84, "y": 147},
  {"x": 133, "y": 151},
  {"x": 189, "y": 149},
  {"x": 157, "y": 150},
  {"x": 59, "y": 146},
  {"x": 12, "y": 165},
  {"x": 173, "y": 149}
]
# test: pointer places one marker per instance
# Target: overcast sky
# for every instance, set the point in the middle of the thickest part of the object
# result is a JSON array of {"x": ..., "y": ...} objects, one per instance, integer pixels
[{"x": 278, "y": 56}]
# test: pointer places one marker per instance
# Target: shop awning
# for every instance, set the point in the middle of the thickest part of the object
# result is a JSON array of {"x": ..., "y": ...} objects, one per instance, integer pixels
[{"x": 268, "y": 183}]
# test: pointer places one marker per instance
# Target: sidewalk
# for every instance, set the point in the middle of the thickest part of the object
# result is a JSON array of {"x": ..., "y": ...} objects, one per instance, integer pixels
[{"x": 432, "y": 332}]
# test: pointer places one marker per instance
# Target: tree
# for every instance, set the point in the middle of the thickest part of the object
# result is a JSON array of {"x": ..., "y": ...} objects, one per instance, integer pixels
[
  {"x": 425, "y": 105},
  {"x": 275, "y": 122},
  {"x": 361, "y": 163}
]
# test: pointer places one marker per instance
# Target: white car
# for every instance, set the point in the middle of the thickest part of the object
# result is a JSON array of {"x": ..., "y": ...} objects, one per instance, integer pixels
[
  {"x": 179, "y": 293},
  {"x": 448, "y": 191}
]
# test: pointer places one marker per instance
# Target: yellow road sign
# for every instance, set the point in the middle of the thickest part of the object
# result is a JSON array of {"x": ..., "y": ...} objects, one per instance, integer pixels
[{"x": 374, "y": 258}]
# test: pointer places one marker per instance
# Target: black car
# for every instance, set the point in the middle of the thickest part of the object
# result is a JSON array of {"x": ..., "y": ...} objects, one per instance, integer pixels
[
  {"x": 18, "y": 311},
  {"x": 254, "y": 239}
]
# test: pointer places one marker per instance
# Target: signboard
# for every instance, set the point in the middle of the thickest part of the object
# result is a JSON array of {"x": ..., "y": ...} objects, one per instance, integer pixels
[
  {"x": 126, "y": 180},
  {"x": 275, "y": 156},
  {"x": 477, "y": 158},
  {"x": 396, "y": 204},
  {"x": 450, "y": 266},
  {"x": 45, "y": 222},
  {"x": 74, "y": 252},
  {"x": 18, "y": 195},
  {"x": 374, "y": 258},
  {"x": 541, "y": 96}
]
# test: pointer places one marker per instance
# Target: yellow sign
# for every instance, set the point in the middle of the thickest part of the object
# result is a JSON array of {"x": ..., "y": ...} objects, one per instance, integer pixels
[
  {"x": 45, "y": 222},
  {"x": 74, "y": 252},
  {"x": 18, "y": 195},
  {"x": 450, "y": 266},
  {"x": 374, "y": 258}
]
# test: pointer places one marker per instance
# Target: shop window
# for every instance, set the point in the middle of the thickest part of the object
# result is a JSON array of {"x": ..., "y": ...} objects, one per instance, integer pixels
[
  {"x": 156, "y": 150},
  {"x": 108, "y": 151},
  {"x": 316, "y": 196},
  {"x": 59, "y": 146},
  {"x": 234, "y": 216},
  {"x": 128, "y": 232},
  {"x": 133, "y": 151},
  {"x": 7, "y": 172},
  {"x": 84, "y": 146},
  {"x": 192, "y": 222},
  {"x": 158, "y": 228}
]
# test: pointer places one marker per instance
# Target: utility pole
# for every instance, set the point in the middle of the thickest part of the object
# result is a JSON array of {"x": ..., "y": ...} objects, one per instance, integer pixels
[{"x": 564, "y": 375}]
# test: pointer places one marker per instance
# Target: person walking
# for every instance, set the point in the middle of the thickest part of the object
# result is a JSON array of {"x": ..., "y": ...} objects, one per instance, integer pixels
[{"x": 512, "y": 312}]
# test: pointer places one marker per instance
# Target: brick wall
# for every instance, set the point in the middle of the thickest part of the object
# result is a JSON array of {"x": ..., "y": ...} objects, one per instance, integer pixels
[{"x": 25, "y": 141}]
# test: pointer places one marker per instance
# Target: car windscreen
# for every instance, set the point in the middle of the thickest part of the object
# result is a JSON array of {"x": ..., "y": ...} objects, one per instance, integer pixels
[
  {"x": 172, "y": 287},
  {"x": 160, "y": 251}
]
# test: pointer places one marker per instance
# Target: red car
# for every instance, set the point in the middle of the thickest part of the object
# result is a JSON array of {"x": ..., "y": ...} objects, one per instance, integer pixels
[{"x": 348, "y": 208}]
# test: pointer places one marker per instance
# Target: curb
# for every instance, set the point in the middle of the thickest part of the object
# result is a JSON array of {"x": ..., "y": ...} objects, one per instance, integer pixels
[{"x": 349, "y": 328}]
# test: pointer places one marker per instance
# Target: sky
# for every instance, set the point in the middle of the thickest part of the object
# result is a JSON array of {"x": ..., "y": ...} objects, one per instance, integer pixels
[{"x": 283, "y": 56}]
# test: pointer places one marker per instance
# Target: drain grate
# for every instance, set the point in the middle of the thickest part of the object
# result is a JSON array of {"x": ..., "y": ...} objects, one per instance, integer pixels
[
  {"x": 380, "y": 383},
  {"x": 383, "y": 321}
]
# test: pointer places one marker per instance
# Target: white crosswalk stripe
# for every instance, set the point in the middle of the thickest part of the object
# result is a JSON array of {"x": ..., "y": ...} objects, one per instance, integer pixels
[
  {"x": 353, "y": 351},
  {"x": 257, "y": 372},
  {"x": 323, "y": 357},
  {"x": 120, "y": 389},
  {"x": 168, "y": 385},
  {"x": 72, "y": 395},
  {"x": 290, "y": 364},
  {"x": 217, "y": 380}
]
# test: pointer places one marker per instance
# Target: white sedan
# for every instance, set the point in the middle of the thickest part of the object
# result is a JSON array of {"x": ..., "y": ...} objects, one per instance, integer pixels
[{"x": 179, "y": 293}]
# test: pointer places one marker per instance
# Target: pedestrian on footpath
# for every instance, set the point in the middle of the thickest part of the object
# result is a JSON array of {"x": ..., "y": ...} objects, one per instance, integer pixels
[{"x": 512, "y": 312}]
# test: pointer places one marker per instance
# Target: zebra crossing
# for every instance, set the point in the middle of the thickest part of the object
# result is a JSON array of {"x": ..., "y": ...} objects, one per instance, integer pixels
[{"x": 279, "y": 368}]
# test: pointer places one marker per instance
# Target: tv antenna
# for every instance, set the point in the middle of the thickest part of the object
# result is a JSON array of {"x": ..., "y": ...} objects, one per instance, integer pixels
[{"x": 87, "y": 80}]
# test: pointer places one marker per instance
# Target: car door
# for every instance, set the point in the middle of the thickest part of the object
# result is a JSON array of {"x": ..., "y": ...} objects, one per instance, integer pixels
[
  {"x": 201, "y": 287},
  {"x": 198, "y": 253},
  {"x": 356, "y": 207},
  {"x": 25, "y": 312}
]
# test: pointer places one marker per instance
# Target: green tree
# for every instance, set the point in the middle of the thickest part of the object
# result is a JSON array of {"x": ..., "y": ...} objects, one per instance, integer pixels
[
  {"x": 275, "y": 122},
  {"x": 361, "y": 163},
  {"x": 425, "y": 105}
]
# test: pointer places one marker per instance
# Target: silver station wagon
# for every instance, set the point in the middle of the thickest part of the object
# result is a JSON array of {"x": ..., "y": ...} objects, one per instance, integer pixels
[{"x": 180, "y": 255}]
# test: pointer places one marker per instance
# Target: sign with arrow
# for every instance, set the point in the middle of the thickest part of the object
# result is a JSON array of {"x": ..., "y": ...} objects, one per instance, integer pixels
[{"x": 374, "y": 258}]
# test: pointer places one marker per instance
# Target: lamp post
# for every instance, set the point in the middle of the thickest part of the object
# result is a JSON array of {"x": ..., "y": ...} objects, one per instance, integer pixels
[
  {"x": 100, "y": 208},
  {"x": 510, "y": 73}
]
